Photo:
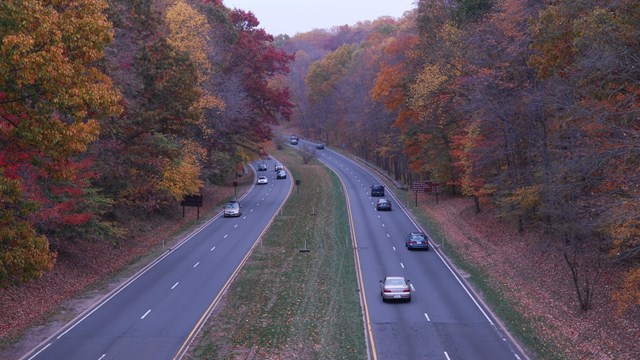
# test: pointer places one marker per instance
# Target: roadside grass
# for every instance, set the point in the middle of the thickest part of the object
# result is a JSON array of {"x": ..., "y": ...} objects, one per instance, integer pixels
[
  {"x": 289, "y": 304},
  {"x": 520, "y": 326}
]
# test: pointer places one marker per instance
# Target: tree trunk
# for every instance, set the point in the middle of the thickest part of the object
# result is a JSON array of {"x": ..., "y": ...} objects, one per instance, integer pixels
[{"x": 476, "y": 203}]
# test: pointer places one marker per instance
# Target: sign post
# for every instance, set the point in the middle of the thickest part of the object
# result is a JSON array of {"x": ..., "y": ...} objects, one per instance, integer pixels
[
  {"x": 426, "y": 186},
  {"x": 193, "y": 201}
]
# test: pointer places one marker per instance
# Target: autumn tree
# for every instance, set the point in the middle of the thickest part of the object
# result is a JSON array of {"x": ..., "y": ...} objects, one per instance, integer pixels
[
  {"x": 245, "y": 62},
  {"x": 52, "y": 98}
]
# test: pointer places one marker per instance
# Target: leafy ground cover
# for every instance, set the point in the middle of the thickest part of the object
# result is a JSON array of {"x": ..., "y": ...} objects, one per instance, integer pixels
[{"x": 288, "y": 304}]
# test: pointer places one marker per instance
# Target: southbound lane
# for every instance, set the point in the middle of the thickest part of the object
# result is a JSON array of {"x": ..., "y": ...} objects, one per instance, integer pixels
[{"x": 444, "y": 320}]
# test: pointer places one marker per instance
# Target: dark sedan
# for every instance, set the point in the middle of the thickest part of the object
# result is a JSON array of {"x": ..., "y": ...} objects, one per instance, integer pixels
[
  {"x": 383, "y": 205},
  {"x": 417, "y": 240}
]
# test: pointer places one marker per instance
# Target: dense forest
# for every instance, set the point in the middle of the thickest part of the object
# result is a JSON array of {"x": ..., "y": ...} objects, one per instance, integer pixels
[
  {"x": 530, "y": 106},
  {"x": 110, "y": 108},
  {"x": 113, "y": 109}
]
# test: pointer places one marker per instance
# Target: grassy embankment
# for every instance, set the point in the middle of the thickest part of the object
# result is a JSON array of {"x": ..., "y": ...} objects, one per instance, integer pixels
[{"x": 290, "y": 304}]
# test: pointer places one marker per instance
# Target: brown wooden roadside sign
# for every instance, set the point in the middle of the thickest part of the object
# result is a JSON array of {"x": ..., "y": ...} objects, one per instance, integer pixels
[
  {"x": 426, "y": 186},
  {"x": 192, "y": 200}
]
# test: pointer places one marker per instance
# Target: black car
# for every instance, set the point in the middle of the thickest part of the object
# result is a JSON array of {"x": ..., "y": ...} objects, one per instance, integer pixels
[
  {"x": 417, "y": 240},
  {"x": 383, "y": 205},
  {"x": 320, "y": 146},
  {"x": 377, "y": 190},
  {"x": 262, "y": 167}
]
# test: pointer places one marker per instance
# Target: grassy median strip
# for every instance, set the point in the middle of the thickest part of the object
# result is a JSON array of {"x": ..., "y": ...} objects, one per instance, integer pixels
[{"x": 293, "y": 304}]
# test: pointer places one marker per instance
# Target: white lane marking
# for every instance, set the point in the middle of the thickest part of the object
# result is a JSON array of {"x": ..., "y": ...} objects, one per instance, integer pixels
[
  {"x": 226, "y": 236},
  {"x": 198, "y": 263},
  {"x": 401, "y": 264},
  {"x": 262, "y": 199},
  {"x": 38, "y": 353},
  {"x": 394, "y": 248},
  {"x": 378, "y": 216},
  {"x": 245, "y": 216},
  {"x": 427, "y": 316},
  {"x": 235, "y": 226},
  {"x": 174, "y": 285},
  {"x": 389, "y": 236},
  {"x": 412, "y": 288},
  {"x": 250, "y": 211},
  {"x": 145, "y": 314},
  {"x": 382, "y": 224},
  {"x": 102, "y": 357},
  {"x": 213, "y": 248},
  {"x": 447, "y": 355}
]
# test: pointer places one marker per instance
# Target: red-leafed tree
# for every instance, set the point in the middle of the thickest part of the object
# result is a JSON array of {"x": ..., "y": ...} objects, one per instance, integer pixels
[{"x": 245, "y": 61}]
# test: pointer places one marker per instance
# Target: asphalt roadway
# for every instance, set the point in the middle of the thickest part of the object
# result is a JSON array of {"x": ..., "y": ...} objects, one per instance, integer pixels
[
  {"x": 156, "y": 313},
  {"x": 444, "y": 319}
]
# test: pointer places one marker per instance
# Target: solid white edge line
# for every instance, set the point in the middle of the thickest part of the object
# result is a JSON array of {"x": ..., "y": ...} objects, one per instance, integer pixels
[
  {"x": 447, "y": 355},
  {"x": 213, "y": 248},
  {"x": 427, "y": 316},
  {"x": 41, "y": 350},
  {"x": 196, "y": 264},
  {"x": 174, "y": 285}
]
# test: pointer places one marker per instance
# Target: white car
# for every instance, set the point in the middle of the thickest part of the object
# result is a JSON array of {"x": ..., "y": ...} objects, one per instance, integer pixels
[
  {"x": 232, "y": 209},
  {"x": 262, "y": 180}
]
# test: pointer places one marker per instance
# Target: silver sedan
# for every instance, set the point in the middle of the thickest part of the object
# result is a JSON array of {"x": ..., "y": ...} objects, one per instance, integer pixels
[{"x": 395, "y": 288}]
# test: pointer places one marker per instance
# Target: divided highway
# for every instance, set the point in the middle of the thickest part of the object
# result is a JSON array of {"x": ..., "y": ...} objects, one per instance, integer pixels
[
  {"x": 444, "y": 320},
  {"x": 156, "y": 314}
]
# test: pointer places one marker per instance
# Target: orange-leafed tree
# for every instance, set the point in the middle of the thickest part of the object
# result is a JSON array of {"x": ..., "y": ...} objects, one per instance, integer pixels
[{"x": 51, "y": 100}]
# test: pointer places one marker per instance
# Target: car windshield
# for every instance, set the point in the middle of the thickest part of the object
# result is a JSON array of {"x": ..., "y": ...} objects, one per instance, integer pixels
[
  {"x": 418, "y": 237},
  {"x": 231, "y": 205},
  {"x": 395, "y": 282}
]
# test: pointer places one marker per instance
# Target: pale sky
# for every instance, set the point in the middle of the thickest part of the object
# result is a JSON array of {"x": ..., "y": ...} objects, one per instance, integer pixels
[{"x": 294, "y": 16}]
